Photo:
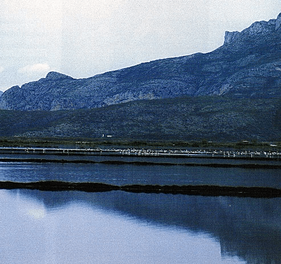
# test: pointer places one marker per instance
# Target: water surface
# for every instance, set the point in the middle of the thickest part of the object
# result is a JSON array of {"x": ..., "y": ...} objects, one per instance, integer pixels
[
  {"x": 119, "y": 227},
  {"x": 133, "y": 174}
]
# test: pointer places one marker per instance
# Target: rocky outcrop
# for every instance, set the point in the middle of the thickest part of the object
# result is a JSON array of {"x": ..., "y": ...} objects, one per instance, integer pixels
[
  {"x": 248, "y": 65},
  {"x": 278, "y": 22}
]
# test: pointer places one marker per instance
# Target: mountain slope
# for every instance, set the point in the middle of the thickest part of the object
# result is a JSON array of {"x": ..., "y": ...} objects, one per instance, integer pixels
[
  {"x": 211, "y": 117},
  {"x": 248, "y": 65}
]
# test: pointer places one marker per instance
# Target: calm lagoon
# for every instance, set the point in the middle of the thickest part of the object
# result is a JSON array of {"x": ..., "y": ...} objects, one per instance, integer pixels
[
  {"x": 120, "y": 227},
  {"x": 135, "y": 174}
]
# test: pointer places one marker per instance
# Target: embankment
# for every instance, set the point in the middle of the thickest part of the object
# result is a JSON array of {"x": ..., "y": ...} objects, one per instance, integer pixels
[{"x": 203, "y": 190}]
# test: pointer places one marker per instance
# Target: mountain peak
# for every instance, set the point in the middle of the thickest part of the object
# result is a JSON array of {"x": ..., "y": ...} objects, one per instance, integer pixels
[
  {"x": 56, "y": 75},
  {"x": 257, "y": 28},
  {"x": 246, "y": 66}
]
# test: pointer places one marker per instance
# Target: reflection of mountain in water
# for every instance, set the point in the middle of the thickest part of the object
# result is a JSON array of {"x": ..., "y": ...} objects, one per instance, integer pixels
[{"x": 246, "y": 227}]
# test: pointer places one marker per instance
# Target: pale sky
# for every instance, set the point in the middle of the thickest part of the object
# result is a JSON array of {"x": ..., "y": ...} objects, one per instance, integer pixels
[{"x": 87, "y": 37}]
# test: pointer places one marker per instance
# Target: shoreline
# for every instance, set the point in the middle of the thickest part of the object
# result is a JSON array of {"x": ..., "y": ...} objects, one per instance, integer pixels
[
  {"x": 145, "y": 152},
  {"x": 142, "y": 156},
  {"x": 146, "y": 163},
  {"x": 202, "y": 190}
]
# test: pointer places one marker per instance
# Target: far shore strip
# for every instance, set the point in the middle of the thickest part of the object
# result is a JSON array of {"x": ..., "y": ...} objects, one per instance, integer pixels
[{"x": 202, "y": 190}]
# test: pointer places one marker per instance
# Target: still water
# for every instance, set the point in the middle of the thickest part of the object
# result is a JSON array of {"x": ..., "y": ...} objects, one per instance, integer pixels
[
  {"x": 134, "y": 174},
  {"x": 119, "y": 227}
]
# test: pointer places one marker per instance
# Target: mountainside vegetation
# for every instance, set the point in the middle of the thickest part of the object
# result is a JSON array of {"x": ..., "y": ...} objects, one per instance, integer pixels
[{"x": 186, "y": 118}]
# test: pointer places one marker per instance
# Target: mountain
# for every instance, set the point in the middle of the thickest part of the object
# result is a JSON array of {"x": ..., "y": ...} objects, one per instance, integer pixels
[
  {"x": 247, "y": 65},
  {"x": 230, "y": 94}
]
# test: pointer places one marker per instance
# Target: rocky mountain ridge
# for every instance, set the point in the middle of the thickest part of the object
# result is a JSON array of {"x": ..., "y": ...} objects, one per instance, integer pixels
[{"x": 247, "y": 65}]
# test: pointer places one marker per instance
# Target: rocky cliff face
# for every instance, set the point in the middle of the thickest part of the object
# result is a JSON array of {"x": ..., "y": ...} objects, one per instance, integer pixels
[{"x": 248, "y": 65}]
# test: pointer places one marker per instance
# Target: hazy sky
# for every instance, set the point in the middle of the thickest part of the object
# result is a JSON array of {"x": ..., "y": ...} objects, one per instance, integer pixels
[{"x": 86, "y": 37}]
